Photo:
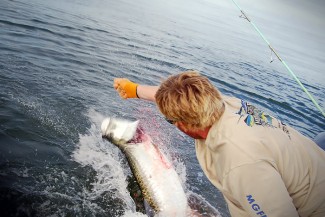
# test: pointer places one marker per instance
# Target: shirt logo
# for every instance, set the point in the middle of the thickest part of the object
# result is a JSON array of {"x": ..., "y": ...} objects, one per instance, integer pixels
[
  {"x": 254, "y": 116},
  {"x": 255, "y": 207}
]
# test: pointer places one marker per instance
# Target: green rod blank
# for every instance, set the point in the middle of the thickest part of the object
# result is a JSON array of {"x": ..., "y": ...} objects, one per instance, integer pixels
[{"x": 281, "y": 60}]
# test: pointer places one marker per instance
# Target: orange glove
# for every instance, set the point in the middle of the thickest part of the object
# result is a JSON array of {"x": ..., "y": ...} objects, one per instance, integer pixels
[{"x": 126, "y": 88}]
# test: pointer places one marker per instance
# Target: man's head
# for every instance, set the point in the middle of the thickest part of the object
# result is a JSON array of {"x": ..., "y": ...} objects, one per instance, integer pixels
[{"x": 190, "y": 98}]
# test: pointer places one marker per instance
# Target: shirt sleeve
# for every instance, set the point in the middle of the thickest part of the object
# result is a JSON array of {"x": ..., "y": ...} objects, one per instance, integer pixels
[{"x": 258, "y": 189}]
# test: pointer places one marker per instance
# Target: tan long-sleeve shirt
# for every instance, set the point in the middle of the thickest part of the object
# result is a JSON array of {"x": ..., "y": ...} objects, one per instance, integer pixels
[{"x": 263, "y": 167}]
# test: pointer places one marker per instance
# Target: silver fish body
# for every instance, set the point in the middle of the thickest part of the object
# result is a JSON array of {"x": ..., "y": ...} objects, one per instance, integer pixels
[{"x": 158, "y": 180}]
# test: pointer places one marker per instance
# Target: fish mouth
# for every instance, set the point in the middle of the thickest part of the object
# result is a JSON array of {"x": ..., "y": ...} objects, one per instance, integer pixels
[
  {"x": 139, "y": 136},
  {"x": 121, "y": 131}
]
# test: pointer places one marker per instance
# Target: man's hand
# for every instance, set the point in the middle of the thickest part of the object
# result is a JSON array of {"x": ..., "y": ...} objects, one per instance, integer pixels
[{"x": 126, "y": 88}]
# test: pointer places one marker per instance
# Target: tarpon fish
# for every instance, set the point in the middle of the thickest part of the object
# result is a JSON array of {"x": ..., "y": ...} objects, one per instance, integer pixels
[{"x": 158, "y": 180}]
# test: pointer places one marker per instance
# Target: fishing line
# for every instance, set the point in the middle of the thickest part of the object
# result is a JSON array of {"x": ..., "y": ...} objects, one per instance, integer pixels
[{"x": 244, "y": 16}]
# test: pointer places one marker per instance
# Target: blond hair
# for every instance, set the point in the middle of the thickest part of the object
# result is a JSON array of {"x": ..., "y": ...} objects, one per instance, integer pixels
[{"x": 190, "y": 98}]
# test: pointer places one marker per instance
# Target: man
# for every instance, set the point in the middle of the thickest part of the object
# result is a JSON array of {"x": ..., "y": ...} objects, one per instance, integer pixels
[{"x": 262, "y": 166}]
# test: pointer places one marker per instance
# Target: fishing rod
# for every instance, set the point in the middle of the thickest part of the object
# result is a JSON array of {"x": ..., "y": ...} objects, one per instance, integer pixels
[{"x": 243, "y": 15}]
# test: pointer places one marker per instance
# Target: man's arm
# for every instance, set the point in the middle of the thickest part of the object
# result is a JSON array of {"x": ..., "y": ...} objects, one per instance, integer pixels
[
  {"x": 147, "y": 92},
  {"x": 260, "y": 191}
]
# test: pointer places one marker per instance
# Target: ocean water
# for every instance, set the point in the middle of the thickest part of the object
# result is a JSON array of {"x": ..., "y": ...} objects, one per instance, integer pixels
[{"x": 58, "y": 60}]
